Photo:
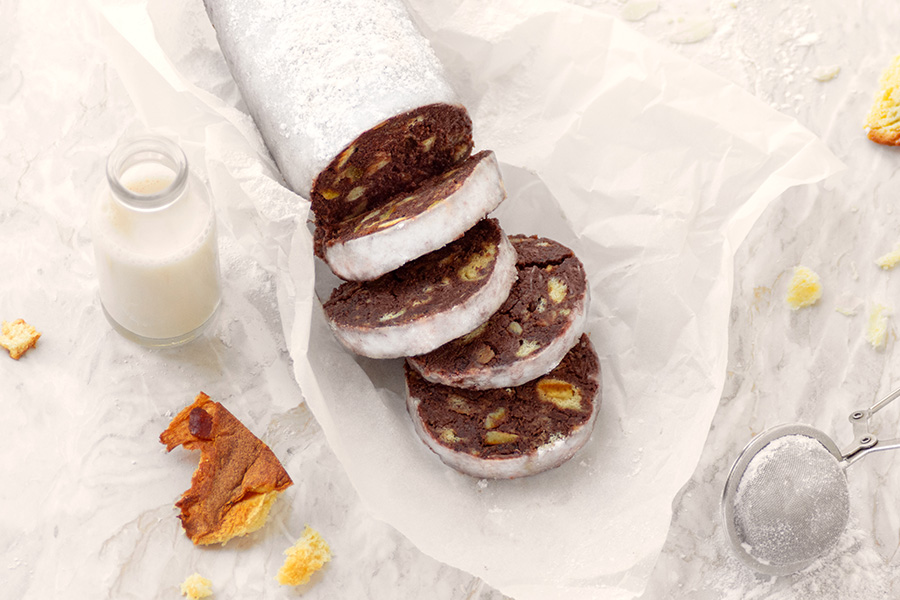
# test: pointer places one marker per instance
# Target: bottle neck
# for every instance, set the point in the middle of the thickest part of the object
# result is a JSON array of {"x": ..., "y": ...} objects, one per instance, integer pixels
[{"x": 147, "y": 173}]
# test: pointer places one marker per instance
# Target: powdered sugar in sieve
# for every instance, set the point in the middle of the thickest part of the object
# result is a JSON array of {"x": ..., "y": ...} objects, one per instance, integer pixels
[{"x": 786, "y": 501}]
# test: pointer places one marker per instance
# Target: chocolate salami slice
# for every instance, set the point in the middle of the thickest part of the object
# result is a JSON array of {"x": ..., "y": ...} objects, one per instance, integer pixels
[
  {"x": 412, "y": 224},
  {"x": 539, "y": 322},
  {"x": 429, "y": 301},
  {"x": 510, "y": 432},
  {"x": 394, "y": 157},
  {"x": 345, "y": 88}
]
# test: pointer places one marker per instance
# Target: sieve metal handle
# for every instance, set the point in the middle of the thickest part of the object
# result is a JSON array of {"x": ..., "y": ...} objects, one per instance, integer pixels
[{"x": 865, "y": 441}]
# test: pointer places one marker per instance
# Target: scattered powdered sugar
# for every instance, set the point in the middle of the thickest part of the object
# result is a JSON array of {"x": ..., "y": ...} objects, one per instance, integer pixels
[
  {"x": 740, "y": 40},
  {"x": 849, "y": 304},
  {"x": 635, "y": 10},
  {"x": 690, "y": 30}
]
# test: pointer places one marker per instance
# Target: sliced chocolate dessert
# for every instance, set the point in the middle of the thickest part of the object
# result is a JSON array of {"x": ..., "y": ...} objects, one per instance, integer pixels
[
  {"x": 417, "y": 222},
  {"x": 395, "y": 156},
  {"x": 540, "y": 321},
  {"x": 429, "y": 301},
  {"x": 510, "y": 432}
]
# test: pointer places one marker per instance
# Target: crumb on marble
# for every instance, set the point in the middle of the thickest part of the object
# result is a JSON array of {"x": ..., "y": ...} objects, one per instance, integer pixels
[
  {"x": 637, "y": 10},
  {"x": 825, "y": 73},
  {"x": 883, "y": 121},
  {"x": 889, "y": 260},
  {"x": 304, "y": 558},
  {"x": 876, "y": 333},
  {"x": 804, "y": 289},
  {"x": 17, "y": 337},
  {"x": 196, "y": 586}
]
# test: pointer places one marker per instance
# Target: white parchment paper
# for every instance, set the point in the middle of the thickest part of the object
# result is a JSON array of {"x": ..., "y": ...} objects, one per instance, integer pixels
[{"x": 652, "y": 169}]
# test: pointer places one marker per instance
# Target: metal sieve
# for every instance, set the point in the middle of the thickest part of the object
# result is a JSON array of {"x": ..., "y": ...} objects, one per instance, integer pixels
[{"x": 786, "y": 500}]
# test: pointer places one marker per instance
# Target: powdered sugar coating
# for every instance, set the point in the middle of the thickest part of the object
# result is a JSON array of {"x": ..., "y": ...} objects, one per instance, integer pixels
[{"x": 315, "y": 74}]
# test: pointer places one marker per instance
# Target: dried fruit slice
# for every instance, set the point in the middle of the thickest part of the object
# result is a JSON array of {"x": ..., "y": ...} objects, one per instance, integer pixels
[
  {"x": 429, "y": 301},
  {"x": 417, "y": 222},
  {"x": 510, "y": 432},
  {"x": 541, "y": 320},
  {"x": 237, "y": 480}
]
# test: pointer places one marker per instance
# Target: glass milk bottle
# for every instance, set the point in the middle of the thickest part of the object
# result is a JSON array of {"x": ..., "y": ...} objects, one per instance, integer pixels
[{"x": 154, "y": 234}]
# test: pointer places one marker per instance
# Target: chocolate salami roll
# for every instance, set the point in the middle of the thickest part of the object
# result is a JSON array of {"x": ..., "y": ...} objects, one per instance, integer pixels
[
  {"x": 426, "y": 302},
  {"x": 510, "y": 432},
  {"x": 318, "y": 74},
  {"x": 356, "y": 111},
  {"x": 539, "y": 322}
]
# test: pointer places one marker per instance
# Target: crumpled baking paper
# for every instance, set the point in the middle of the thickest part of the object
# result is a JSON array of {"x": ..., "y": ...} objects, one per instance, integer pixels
[{"x": 652, "y": 169}]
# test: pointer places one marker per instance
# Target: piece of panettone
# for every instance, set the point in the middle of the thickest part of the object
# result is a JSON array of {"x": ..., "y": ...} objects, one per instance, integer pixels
[
  {"x": 237, "y": 480},
  {"x": 304, "y": 558},
  {"x": 883, "y": 120}
]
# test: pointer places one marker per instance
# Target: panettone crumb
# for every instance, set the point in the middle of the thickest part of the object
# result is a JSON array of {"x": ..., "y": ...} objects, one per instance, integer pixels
[
  {"x": 17, "y": 337},
  {"x": 304, "y": 558},
  {"x": 876, "y": 334},
  {"x": 883, "y": 120},
  {"x": 889, "y": 260},
  {"x": 196, "y": 586},
  {"x": 805, "y": 288}
]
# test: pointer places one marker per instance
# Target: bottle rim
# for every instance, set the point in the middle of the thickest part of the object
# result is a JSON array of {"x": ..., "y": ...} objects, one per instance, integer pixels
[{"x": 141, "y": 149}]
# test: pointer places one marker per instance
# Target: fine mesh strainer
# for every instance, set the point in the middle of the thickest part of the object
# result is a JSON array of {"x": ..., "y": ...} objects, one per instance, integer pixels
[{"x": 786, "y": 501}]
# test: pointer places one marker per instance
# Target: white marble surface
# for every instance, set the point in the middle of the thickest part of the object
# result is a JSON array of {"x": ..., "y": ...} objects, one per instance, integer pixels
[{"x": 83, "y": 410}]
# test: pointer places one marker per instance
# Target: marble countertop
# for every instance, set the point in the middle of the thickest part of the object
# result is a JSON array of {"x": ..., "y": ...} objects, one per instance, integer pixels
[{"x": 86, "y": 510}]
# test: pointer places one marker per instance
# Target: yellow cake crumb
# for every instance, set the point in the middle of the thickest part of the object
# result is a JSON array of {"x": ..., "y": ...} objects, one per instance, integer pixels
[
  {"x": 889, "y": 260},
  {"x": 17, "y": 337},
  {"x": 805, "y": 288},
  {"x": 876, "y": 334},
  {"x": 883, "y": 120},
  {"x": 196, "y": 586},
  {"x": 304, "y": 558}
]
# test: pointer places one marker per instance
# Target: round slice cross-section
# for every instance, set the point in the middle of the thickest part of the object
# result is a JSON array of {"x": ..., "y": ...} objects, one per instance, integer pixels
[
  {"x": 510, "y": 432},
  {"x": 540, "y": 321},
  {"x": 429, "y": 301},
  {"x": 394, "y": 157},
  {"x": 412, "y": 224}
]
